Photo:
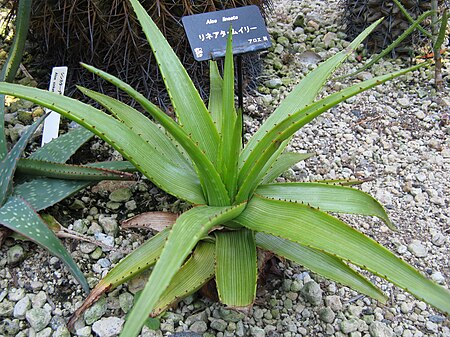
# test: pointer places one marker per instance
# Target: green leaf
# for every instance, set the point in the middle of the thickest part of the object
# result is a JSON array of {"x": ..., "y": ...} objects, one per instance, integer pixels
[
  {"x": 319, "y": 262},
  {"x": 315, "y": 229},
  {"x": 3, "y": 147},
  {"x": 327, "y": 198},
  {"x": 197, "y": 270},
  {"x": 60, "y": 149},
  {"x": 213, "y": 187},
  {"x": 9, "y": 163},
  {"x": 33, "y": 167},
  {"x": 236, "y": 267},
  {"x": 284, "y": 162},
  {"x": 18, "y": 216},
  {"x": 160, "y": 171},
  {"x": 230, "y": 141},
  {"x": 411, "y": 19},
  {"x": 41, "y": 193},
  {"x": 394, "y": 44},
  {"x": 215, "y": 95},
  {"x": 132, "y": 265},
  {"x": 142, "y": 126},
  {"x": 190, "y": 227},
  {"x": 186, "y": 101},
  {"x": 270, "y": 142},
  {"x": 304, "y": 93},
  {"x": 442, "y": 32}
]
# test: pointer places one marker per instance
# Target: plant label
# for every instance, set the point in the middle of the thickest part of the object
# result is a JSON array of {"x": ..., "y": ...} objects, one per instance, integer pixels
[
  {"x": 207, "y": 32},
  {"x": 51, "y": 123}
]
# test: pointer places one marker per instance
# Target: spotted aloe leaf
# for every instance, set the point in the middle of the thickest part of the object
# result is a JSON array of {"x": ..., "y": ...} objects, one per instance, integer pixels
[
  {"x": 17, "y": 215},
  {"x": 9, "y": 164}
]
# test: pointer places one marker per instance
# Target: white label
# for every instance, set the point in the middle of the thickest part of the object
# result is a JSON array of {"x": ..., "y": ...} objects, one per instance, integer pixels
[{"x": 51, "y": 123}]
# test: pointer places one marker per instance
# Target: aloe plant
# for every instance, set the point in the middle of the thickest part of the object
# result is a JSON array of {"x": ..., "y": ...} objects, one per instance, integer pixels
[{"x": 236, "y": 206}]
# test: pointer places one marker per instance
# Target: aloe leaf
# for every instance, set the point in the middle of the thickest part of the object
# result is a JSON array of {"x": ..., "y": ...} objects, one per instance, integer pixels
[
  {"x": 394, "y": 44},
  {"x": 215, "y": 95},
  {"x": 442, "y": 32},
  {"x": 319, "y": 262},
  {"x": 9, "y": 163},
  {"x": 18, "y": 216},
  {"x": 315, "y": 229},
  {"x": 229, "y": 147},
  {"x": 270, "y": 142},
  {"x": 197, "y": 270},
  {"x": 142, "y": 126},
  {"x": 342, "y": 182},
  {"x": 189, "y": 228},
  {"x": 132, "y": 265},
  {"x": 33, "y": 167},
  {"x": 186, "y": 101},
  {"x": 305, "y": 92},
  {"x": 213, "y": 187},
  {"x": 60, "y": 149},
  {"x": 327, "y": 198},
  {"x": 236, "y": 267},
  {"x": 180, "y": 183},
  {"x": 284, "y": 162}
]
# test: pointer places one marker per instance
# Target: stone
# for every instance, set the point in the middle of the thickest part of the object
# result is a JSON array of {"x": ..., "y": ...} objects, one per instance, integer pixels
[
  {"x": 198, "y": 327},
  {"x": 200, "y": 316},
  {"x": 22, "y": 307},
  {"x": 39, "y": 299},
  {"x": 15, "y": 294},
  {"x": 108, "y": 327},
  {"x": 404, "y": 102},
  {"x": 329, "y": 38},
  {"x": 349, "y": 325},
  {"x": 47, "y": 332},
  {"x": 61, "y": 331},
  {"x": 334, "y": 302},
  {"x": 257, "y": 332},
  {"x": 120, "y": 195},
  {"x": 273, "y": 83},
  {"x": 438, "y": 277},
  {"x": 379, "y": 329},
  {"x": 218, "y": 324},
  {"x": 312, "y": 293},
  {"x": 109, "y": 225},
  {"x": 327, "y": 315},
  {"x": 417, "y": 248},
  {"x": 6, "y": 308},
  {"x": 9, "y": 327},
  {"x": 299, "y": 21},
  {"x": 231, "y": 315},
  {"x": 96, "y": 311},
  {"x": 84, "y": 331},
  {"x": 15, "y": 254},
  {"x": 38, "y": 318},
  {"x": 126, "y": 301},
  {"x": 438, "y": 239},
  {"x": 80, "y": 226}
]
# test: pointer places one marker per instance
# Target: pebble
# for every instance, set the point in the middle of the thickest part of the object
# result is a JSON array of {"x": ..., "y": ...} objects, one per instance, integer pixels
[
  {"x": 379, "y": 329},
  {"x": 417, "y": 249},
  {"x": 96, "y": 311},
  {"x": 22, "y": 307},
  {"x": 120, "y": 195},
  {"x": 312, "y": 293},
  {"x": 38, "y": 318},
  {"x": 15, "y": 254},
  {"x": 108, "y": 327}
]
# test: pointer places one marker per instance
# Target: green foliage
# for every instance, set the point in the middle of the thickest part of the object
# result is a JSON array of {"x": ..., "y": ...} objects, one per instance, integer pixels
[{"x": 236, "y": 206}]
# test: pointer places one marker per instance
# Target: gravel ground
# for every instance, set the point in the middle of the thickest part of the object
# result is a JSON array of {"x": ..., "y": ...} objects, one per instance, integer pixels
[{"x": 396, "y": 136}]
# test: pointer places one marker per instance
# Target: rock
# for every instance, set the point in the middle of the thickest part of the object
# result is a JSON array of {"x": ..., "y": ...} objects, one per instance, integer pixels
[
  {"x": 6, "y": 308},
  {"x": 312, "y": 293},
  {"x": 231, "y": 315},
  {"x": 15, "y": 254},
  {"x": 438, "y": 277},
  {"x": 47, "y": 332},
  {"x": 120, "y": 195},
  {"x": 22, "y": 307},
  {"x": 201, "y": 316},
  {"x": 218, "y": 324},
  {"x": 329, "y": 38},
  {"x": 104, "y": 263},
  {"x": 438, "y": 239},
  {"x": 327, "y": 315},
  {"x": 257, "y": 332},
  {"x": 9, "y": 327},
  {"x": 431, "y": 326},
  {"x": 334, "y": 302},
  {"x": 39, "y": 299},
  {"x": 95, "y": 312},
  {"x": 80, "y": 226},
  {"x": 61, "y": 331},
  {"x": 420, "y": 114},
  {"x": 38, "y": 318},
  {"x": 309, "y": 57},
  {"x": 109, "y": 224},
  {"x": 15, "y": 294},
  {"x": 404, "y": 102},
  {"x": 299, "y": 21},
  {"x": 379, "y": 329},
  {"x": 349, "y": 325},
  {"x": 198, "y": 327},
  {"x": 273, "y": 83},
  {"x": 108, "y": 327},
  {"x": 126, "y": 301},
  {"x": 84, "y": 331},
  {"x": 417, "y": 248}
]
